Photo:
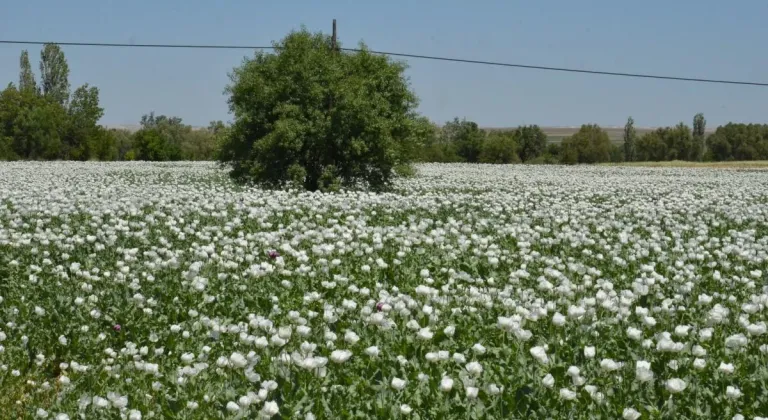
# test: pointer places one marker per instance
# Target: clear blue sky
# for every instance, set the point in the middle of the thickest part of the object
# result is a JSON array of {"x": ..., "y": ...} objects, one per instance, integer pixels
[{"x": 696, "y": 38}]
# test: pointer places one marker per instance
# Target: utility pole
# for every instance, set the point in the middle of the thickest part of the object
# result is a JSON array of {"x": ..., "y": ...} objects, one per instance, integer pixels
[{"x": 334, "y": 47}]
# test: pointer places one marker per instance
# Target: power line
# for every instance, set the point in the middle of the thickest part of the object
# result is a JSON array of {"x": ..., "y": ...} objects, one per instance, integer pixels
[
  {"x": 111, "y": 44},
  {"x": 394, "y": 54}
]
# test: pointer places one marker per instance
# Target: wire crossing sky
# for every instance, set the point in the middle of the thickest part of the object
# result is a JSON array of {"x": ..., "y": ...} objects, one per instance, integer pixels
[
  {"x": 648, "y": 47},
  {"x": 395, "y": 54}
]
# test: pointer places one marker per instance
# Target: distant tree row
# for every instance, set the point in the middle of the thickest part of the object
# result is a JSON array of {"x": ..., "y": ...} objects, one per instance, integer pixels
[
  {"x": 667, "y": 143},
  {"x": 464, "y": 141},
  {"x": 44, "y": 121},
  {"x": 352, "y": 136},
  {"x": 733, "y": 141},
  {"x": 163, "y": 138}
]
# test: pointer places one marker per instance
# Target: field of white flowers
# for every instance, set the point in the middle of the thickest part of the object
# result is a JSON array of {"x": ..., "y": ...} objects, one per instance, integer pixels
[{"x": 136, "y": 291}]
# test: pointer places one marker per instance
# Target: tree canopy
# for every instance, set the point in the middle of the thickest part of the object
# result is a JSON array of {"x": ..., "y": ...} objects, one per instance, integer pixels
[
  {"x": 51, "y": 123},
  {"x": 531, "y": 141},
  {"x": 500, "y": 147},
  {"x": 589, "y": 145},
  {"x": 54, "y": 74},
  {"x": 630, "y": 136},
  {"x": 466, "y": 137},
  {"x": 319, "y": 117}
]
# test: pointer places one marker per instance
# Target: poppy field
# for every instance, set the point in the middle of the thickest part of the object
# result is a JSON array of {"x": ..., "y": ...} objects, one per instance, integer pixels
[{"x": 146, "y": 290}]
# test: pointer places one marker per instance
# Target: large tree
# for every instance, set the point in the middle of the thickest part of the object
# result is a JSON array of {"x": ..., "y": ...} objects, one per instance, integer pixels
[
  {"x": 54, "y": 74},
  {"x": 319, "y": 117},
  {"x": 26, "y": 76},
  {"x": 629, "y": 140},
  {"x": 83, "y": 137},
  {"x": 738, "y": 142},
  {"x": 38, "y": 128},
  {"x": 500, "y": 147},
  {"x": 590, "y": 144},
  {"x": 679, "y": 142},
  {"x": 650, "y": 147},
  {"x": 466, "y": 137},
  {"x": 160, "y": 138},
  {"x": 531, "y": 141}
]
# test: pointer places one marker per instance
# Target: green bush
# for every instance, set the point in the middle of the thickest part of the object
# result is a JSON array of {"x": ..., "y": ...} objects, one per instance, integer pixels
[
  {"x": 589, "y": 145},
  {"x": 545, "y": 159},
  {"x": 405, "y": 170},
  {"x": 344, "y": 118},
  {"x": 465, "y": 137},
  {"x": 499, "y": 147},
  {"x": 532, "y": 141}
]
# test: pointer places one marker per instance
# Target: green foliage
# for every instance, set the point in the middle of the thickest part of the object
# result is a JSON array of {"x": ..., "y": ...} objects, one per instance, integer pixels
[
  {"x": 344, "y": 118},
  {"x": 405, "y": 170},
  {"x": 425, "y": 137},
  {"x": 104, "y": 144},
  {"x": 435, "y": 147},
  {"x": 168, "y": 138},
  {"x": 151, "y": 143},
  {"x": 617, "y": 153},
  {"x": 667, "y": 143},
  {"x": 38, "y": 129},
  {"x": 738, "y": 142},
  {"x": 630, "y": 137},
  {"x": 45, "y": 124},
  {"x": 500, "y": 147},
  {"x": 198, "y": 144},
  {"x": 164, "y": 138},
  {"x": 54, "y": 72},
  {"x": 589, "y": 145},
  {"x": 679, "y": 142},
  {"x": 440, "y": 152},
  {"x": 569, "y": 156},
  {"x": 651, "y": 147},
  {"x": 33, "y": 124},
  {"x": 699, "y": 127},
  {"x": 553, "y": 149},
  {"x": 123, "y": 143},
  {"x": 84, "y": 136},
  {"x": 546, "y": 158},
  {"x": 26, "y": 76},
  {"x": 130, "y": 155},
  {"x": 531, "y": 140},
  {"x": 6, "y": 149},
  {"x": 466, "y": 137},
  {"x": 296, "y": 175}
]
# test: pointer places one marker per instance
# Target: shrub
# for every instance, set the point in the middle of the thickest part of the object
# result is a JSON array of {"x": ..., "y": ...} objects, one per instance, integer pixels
[
  {"x": 499, "y": 148},
  {"x": 589, "y": 145}
]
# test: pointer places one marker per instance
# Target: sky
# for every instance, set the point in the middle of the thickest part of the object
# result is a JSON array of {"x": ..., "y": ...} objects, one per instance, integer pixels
[{"x": 689, "y": 38}]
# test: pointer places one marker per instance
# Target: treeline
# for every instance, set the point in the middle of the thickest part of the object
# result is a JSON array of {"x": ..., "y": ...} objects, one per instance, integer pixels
[
  {"x": 45, "y": 121},
  {"x": 464, "y": 141},
  {"x": 163, "y": 138},
  {"x": 733, "y": 141},
  {"x": 41, "y": 119}
]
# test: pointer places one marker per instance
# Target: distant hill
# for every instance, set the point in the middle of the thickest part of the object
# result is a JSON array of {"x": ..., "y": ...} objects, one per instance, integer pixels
[
  {"x": 135, "y": 127},
  {"x": 130, "y": 127}
]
